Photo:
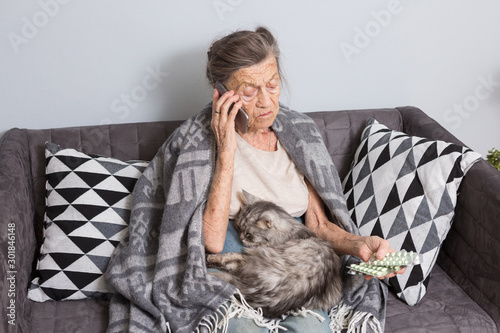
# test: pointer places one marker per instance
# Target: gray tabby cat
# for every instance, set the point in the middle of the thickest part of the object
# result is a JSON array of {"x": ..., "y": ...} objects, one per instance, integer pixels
[{"x": 284, "y": 265}]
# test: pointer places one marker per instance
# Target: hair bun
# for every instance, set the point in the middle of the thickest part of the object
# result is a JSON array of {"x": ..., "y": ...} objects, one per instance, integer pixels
[{"x": 238, "y": 50}]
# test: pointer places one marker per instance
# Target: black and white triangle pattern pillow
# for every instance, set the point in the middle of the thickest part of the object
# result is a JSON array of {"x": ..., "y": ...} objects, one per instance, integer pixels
[
  {"x": 88, "y": 201},
  {"x": 404, "y": 189}
]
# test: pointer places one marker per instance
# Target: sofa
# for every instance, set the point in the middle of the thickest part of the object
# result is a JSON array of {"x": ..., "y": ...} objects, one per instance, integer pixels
[{"x": 463, "y": 294}]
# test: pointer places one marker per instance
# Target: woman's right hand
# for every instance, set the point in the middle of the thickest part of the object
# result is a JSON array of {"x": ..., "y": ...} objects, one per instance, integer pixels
[
  {"x": 216, "y": 214},
  {"x": 223, "y": 122}
]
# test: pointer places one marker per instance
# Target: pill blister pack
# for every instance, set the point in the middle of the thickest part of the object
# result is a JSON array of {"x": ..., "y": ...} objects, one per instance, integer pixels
[
  {"x": 392, "y": 263},
  {"x": 398, "y": 258},
  {"x": 367, "y": 269}
]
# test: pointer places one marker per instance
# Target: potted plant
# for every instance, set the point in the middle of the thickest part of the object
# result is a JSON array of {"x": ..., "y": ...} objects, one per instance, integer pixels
[{"x": 493, "y": 158}]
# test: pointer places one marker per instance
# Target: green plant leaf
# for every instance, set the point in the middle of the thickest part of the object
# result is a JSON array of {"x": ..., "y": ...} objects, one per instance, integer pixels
[{"x": 493, "y": 158}]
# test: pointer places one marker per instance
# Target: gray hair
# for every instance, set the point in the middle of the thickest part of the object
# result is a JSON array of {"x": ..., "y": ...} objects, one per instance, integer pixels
[{"x": 238, "y": 50}]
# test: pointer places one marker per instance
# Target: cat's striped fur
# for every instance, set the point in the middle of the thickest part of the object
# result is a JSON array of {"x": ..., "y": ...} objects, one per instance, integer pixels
[{"x": 284, "y": 265}]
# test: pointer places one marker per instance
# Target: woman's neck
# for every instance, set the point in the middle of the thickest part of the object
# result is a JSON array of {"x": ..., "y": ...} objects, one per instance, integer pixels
[{"x": 263, "y": 139}]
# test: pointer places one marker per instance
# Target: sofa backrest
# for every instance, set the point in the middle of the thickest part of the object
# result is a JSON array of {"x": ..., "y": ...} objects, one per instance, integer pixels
[{"x": 341, "y": 131}]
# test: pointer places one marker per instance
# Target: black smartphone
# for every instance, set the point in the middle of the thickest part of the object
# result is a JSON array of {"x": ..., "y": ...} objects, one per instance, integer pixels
[{"x": 241, "y": 120}]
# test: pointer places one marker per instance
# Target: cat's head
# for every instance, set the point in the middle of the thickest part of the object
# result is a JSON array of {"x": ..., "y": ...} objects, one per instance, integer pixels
[{"x": 261, "y": 222}]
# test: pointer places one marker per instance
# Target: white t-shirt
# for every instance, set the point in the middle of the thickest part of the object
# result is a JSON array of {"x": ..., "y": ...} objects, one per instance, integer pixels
[{"x": 270, "y": 176}]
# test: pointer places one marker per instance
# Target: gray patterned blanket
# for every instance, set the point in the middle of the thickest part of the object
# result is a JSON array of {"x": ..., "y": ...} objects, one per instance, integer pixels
[{"x": 159, "y": 271}]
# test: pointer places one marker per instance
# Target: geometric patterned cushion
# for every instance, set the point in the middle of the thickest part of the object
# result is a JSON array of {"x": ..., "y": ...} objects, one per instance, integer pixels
[
  {"x": 404, "y": 189},
  {"x": 88, "y": 200}
]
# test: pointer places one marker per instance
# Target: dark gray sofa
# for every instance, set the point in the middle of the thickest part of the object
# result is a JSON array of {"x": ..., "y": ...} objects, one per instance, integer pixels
[{"x": 463, "y": 294}]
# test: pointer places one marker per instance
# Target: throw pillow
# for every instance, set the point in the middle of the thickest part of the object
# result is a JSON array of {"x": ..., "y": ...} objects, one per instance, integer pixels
[
  {"x": 404, "y": 189},
  {"x": 88, "y": 200}
]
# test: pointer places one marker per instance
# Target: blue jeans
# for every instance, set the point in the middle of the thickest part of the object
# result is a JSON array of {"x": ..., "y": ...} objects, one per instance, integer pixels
[{"x": 292, "y": 324}]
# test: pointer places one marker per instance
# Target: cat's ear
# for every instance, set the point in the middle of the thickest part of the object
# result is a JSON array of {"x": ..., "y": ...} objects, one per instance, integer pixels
[
  {"x": 248, "y": 198},
  {"x": 265, "y": 224}
]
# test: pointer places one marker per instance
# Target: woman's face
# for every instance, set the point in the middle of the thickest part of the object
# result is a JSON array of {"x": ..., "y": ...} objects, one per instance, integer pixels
[{"x": 259, "y": 89}]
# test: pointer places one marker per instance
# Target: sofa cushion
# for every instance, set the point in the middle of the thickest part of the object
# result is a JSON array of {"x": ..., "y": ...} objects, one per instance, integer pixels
[
  {"x": 445, "y": 308},
  {"x": 404, "y": 189},
  {"x": 88, "y": 200}
]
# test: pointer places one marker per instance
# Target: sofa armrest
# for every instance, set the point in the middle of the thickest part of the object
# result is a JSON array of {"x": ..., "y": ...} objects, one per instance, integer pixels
[
  {"x": 416, "y": 122},
  {"x": 471, "y": 252},
  {"x": 17, "y": 238}
]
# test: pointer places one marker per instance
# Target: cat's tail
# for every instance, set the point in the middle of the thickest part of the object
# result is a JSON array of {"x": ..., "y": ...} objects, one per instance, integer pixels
[{"x": 225, "y": 276}]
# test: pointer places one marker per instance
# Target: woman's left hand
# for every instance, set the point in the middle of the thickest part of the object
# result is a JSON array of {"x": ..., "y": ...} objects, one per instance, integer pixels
[
  {"x": 368, "y": 245},
  {"x": 344, "y": 242}
]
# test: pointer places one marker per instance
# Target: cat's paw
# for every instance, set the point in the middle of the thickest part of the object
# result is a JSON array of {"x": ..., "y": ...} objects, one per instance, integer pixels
[{"x": 213, "y": 261}]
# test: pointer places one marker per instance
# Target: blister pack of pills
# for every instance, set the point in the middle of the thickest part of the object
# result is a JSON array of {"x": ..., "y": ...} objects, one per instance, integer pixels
[
  {"x": 367, "y": 269},
  {"x": 398, "y": 258},
  {"x": 392, "y": 263}
]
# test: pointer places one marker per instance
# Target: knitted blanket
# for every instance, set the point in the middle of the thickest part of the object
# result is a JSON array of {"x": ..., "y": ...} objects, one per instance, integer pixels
[{"x": 159, "y": 271}]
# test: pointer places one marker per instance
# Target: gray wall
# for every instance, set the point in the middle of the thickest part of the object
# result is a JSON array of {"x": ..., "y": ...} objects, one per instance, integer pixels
[{"x": 71, "y": 63}]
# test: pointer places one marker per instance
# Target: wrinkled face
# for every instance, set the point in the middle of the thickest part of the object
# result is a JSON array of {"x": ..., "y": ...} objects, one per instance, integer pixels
[{"x": 259, "y": 89}]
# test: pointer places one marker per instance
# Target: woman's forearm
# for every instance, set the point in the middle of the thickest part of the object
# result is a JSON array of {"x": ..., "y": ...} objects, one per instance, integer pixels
[
  {"x": 343, "y": 242},
  {"x": 216, "y": 215},
  {"x": 317, "y": 221}
]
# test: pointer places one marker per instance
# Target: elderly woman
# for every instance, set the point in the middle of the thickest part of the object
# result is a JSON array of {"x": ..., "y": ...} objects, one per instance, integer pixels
[
  {"x": 184, "y": 203},
  {"x": 247, "y": 63}
]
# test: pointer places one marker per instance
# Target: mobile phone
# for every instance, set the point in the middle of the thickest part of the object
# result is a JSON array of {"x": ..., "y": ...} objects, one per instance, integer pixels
[{"x": 241, "y": 120}]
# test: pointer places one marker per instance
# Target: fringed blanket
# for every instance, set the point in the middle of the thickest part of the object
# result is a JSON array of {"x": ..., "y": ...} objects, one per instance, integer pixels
[{"x": 159, "y": 270}]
